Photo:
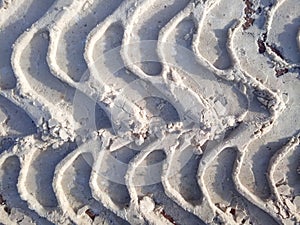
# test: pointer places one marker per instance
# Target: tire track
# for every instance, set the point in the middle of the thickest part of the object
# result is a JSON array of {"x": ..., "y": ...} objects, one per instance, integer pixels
[
  {"x": 274, "y": 130},
  {"x": 16, "y": 57},
  {"x": 282, "y": 203},
  {"x": 28, "y": 12},
  {"x": 11, "y": 96},
  {"x": 77, "y": 200},
  {"x": 148, "y": 28},
  {"x": 274, "y": 111},
  {"x": 112, "y": 207},
  {"x": 140, "y": 133},
  {"x": 15, "y": 207},
  {"x": 24, "y": 86},
  {"x": 228, "y": 200},
  {"x": 32, "y": 187},
  {"x": 148, "y": 199},
  {"x": 70, "y": 54},
  {"x": 179, "y": 108},
  {"x": 244, "y": 79},
  {"x": 96, "y": 34}
]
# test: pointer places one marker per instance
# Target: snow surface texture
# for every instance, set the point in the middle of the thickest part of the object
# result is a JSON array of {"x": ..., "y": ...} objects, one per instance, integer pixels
[{"x": 149, "y": 112}]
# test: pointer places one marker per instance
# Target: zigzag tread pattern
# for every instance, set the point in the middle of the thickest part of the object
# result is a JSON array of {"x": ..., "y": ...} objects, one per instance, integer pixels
[{"x": 149, "y": 112}]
